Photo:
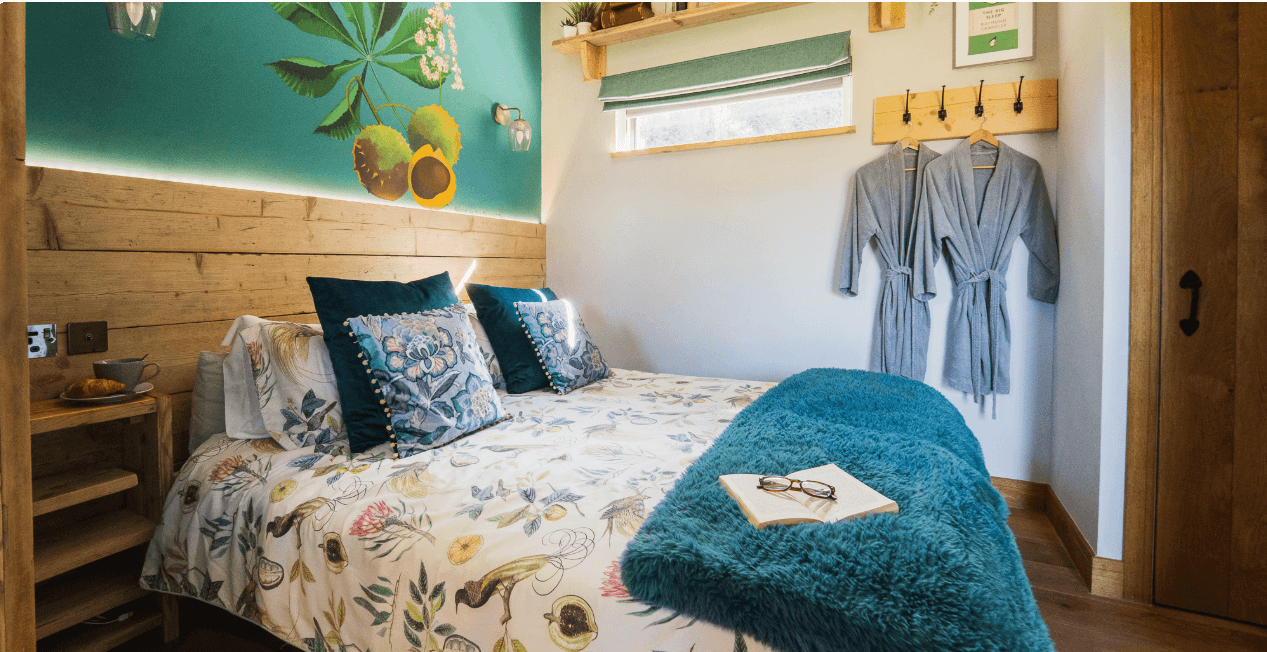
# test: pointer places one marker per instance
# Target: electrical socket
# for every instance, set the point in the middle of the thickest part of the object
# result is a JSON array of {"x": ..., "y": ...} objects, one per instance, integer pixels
[{"x": 41, "y": 341}]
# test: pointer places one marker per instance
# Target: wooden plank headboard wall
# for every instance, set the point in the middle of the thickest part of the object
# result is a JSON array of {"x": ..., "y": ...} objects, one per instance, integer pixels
[{"x": 169, "y": 265}]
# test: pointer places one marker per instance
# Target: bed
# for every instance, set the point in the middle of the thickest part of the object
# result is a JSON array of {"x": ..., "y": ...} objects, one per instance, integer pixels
[{"x": 507, "y": 539}]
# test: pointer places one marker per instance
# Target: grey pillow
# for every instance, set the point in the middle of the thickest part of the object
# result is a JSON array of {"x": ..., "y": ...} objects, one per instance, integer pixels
[{"x": 207, "y": 410}]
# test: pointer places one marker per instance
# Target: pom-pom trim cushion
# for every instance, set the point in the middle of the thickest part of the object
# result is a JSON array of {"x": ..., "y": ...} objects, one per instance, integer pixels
[
  {"x": 564, "y": 349},
  {"x": 338, "y": 300},
  {"x": 515, "y": 352},
  {"x": 428, "y": 376}
]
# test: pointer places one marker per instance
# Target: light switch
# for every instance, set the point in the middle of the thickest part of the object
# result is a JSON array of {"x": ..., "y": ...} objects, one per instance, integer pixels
[{"x": 87, "y": 337}]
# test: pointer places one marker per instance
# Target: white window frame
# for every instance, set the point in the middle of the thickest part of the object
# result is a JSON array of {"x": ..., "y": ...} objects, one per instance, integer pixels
[{"x": 627, "y": 119}]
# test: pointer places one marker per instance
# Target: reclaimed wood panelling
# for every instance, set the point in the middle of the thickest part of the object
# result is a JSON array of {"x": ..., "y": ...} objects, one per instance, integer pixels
[
  {"x": 174, "y": 347},
  {"x": 17, "y": 572},
  {"x": 78, "y": 448},
  {"x": 71, "y": 210},
  {"x": 130, "y": 289},
  {"x": 67, "y": 226},
  {"x": 170, "y": 265},
  {"x": 182, "y": 405}
]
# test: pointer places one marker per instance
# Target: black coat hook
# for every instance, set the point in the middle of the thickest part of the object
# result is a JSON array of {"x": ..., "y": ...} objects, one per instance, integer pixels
[
  {"x": 980, "y": 110},
  {"x": 1019, "y": 106},
  {"x": 906, "y": 115},
  {"x": 942, "y": 113}
]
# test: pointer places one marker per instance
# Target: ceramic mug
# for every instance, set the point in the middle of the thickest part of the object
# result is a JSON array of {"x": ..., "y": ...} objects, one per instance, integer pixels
[{"x": 125, "y": 370}]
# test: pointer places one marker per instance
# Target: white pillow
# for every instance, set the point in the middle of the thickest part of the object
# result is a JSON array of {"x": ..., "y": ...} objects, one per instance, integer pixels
[
  {"x": 242, "y": 418},
  {"x": 297, "y": 394}
]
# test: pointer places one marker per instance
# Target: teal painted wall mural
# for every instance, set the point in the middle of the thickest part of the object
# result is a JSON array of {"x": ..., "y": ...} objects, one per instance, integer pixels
[{"x": 368, "y": 102}]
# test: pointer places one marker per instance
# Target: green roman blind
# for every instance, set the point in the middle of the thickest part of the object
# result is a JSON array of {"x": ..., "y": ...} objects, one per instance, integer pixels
[{"x": 734, "y": 73}]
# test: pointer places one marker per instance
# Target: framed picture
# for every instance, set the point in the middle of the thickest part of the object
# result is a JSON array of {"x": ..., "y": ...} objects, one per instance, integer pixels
[{"x": 993, "y": 32}]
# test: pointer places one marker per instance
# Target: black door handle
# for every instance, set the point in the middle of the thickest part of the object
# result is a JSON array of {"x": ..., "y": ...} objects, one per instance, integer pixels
[{"x": 1191, "y": 281}]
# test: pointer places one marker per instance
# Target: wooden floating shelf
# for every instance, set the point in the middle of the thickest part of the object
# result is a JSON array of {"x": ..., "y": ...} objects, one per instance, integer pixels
[
  {"x": 70, "y": 547},
  {"x": 1040, "y": 113},
  {"x": 103, "y": 638},
  {"x": 56, "y": 414},
  {"x": 593, "y": 46},
  {"x": 61, "y": 491},
  {"x": 68, "y": 600},
  {"x": 884, "y": 16}
]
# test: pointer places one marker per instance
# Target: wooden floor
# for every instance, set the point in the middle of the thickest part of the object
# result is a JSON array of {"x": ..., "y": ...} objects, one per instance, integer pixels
[{"x": 1079, "y": 621}]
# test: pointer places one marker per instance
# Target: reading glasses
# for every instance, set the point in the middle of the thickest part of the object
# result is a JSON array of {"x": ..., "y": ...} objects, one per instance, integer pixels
[{"x": 808, "y": 487}]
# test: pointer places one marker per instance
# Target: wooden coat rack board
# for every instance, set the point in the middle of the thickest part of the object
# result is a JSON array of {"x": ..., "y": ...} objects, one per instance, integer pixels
[{"x": 1038, "y": 116}]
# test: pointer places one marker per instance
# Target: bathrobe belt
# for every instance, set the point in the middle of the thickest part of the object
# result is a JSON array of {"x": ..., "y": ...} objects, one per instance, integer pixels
[
  {"x": 985, "y": 314},
  {"x": 894, "y": 292},
  {"x": 895, "y": 271}
]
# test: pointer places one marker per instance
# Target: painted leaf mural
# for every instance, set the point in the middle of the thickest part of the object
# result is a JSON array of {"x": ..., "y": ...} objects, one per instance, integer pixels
[{"x": 421, "y": 48}]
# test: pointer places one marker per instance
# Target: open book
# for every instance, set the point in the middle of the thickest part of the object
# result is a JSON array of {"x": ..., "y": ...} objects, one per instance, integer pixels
[{"x": 853, "y": 499}]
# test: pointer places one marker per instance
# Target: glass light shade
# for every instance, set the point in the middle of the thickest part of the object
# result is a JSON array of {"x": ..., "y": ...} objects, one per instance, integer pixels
[
  {"x": 134, "y": 20},
  {"x": 520, "y": 133}
]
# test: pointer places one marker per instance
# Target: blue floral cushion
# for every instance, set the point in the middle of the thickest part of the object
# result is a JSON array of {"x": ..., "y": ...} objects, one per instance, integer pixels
[
  {"x": 428, "y": 375},
  {"x": 563, "y": 345}
]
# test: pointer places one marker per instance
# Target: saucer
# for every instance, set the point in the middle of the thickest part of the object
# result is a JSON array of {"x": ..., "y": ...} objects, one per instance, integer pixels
[{"x": 112, "y": 398}]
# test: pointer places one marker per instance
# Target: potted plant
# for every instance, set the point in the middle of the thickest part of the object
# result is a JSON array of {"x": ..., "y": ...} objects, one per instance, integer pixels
[
  {"x": 587, "y": 14},
  {"x": 569, "y": 24}
]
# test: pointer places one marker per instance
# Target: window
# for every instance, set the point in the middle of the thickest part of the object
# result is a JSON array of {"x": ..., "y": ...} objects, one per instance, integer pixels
[
  {"x": 807, "y": 107},
  {"x": 775, "y": 92}
]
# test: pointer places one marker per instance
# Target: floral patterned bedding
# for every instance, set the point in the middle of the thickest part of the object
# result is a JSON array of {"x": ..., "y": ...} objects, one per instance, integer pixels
[{"x": 505, "y": 540}]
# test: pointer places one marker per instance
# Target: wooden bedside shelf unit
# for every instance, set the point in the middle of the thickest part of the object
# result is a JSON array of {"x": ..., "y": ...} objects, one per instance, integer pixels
[{"x": 86, "y": 564}]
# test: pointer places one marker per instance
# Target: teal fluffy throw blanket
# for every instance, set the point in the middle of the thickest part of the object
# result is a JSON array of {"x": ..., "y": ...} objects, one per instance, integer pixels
[{"x": 943, "y": 574}]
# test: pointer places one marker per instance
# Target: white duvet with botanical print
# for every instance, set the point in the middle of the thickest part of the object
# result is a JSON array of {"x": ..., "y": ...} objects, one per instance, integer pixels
[{"x": 508, "y": 539}]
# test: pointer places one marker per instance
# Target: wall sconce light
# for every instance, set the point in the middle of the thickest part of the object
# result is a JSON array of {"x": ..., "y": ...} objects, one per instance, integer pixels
[
  {"x": 519, "y": 131},
  {"x": 134, "y": 20}
]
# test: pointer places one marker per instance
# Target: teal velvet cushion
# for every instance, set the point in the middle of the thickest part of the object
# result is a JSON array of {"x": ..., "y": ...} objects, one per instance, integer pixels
[
  {"x": 564, "y": 349},
  {"x": 495, "y": 307},
  {"x": 429, "y": 375},
  {"x": 339, "y": 300}
]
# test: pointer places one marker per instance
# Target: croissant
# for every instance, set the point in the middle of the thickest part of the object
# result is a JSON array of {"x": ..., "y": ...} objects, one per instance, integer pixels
[{"x": 93, "y": 388}]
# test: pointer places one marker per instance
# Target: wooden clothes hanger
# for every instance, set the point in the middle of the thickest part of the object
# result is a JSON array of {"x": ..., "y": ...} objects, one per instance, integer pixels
[
  {"x": 909, "y": 143},
  {"x": 980, "y": 135}
]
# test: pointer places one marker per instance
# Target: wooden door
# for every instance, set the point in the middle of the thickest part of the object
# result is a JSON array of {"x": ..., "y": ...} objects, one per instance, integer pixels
[{"x": 1211, "y": 523}]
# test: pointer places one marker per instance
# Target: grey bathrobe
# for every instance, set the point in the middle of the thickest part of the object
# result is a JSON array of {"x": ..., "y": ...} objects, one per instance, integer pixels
[
  {"x": 977, "y": 215},
  {"x": 882, "y": 205}
]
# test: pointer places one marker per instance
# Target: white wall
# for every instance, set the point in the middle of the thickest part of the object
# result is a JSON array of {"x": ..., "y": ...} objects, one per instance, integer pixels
[
  {"x": 1117, "y": 276},
  {"x": 1079, "y": 324},
  {"x": 724, "y": 262},
  {"x": 1089, "y": 441}
]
